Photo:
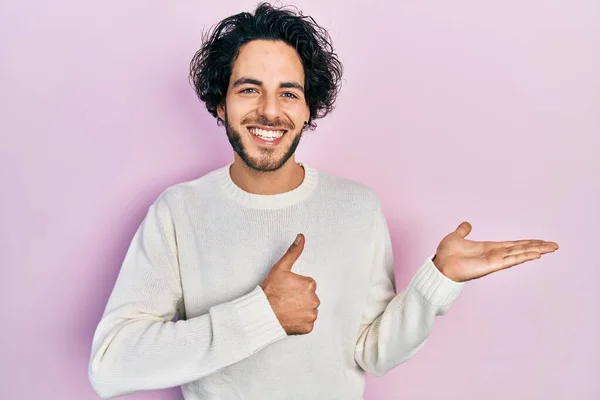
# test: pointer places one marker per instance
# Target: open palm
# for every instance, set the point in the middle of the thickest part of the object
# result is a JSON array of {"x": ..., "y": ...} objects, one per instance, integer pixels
[{"x": 461, "y": 259}]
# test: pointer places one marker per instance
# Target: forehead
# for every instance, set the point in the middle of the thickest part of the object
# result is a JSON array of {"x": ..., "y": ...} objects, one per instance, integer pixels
[{"x": 269, "y": 61}]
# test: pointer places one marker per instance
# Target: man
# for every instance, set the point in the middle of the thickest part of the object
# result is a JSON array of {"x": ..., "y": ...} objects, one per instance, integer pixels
[{"x": 282, "y": 275}]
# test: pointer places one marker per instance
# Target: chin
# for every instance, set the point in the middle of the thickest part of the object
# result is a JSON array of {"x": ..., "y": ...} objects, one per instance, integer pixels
[
  {"x": 263, "y": 154},
  {"x": 263, "y": 163}
]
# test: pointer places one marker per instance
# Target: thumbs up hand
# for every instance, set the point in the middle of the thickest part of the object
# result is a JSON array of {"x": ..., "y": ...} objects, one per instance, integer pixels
[{"x": 293, "y": 297}]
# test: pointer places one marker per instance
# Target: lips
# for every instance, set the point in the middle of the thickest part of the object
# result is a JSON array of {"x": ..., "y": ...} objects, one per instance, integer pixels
[{"x": 267, "y": 135}]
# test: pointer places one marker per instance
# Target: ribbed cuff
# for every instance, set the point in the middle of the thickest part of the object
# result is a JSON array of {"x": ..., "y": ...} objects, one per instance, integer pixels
[
  {"x": 434, "y": 286},
  {"x": 258, "y": 319}
]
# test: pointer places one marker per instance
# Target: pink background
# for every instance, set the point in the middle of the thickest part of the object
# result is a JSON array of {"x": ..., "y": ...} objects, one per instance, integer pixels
[{"x": 484, "y": 111}]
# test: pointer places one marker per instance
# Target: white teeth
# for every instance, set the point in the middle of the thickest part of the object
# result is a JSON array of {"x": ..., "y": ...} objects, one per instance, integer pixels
[{"x": 267, "y": 135}]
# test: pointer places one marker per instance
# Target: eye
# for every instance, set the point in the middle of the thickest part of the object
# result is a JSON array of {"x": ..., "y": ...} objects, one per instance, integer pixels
[
  {"x": 248, "y": 90},
  {"x": 290, "y": 95}
]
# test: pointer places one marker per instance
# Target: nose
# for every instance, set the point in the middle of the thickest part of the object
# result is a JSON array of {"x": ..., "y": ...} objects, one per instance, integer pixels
[{"x": 269, "y": 106}]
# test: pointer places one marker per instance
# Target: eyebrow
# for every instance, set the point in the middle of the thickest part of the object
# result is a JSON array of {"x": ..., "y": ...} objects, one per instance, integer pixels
[{"x": 282, "y": 85}]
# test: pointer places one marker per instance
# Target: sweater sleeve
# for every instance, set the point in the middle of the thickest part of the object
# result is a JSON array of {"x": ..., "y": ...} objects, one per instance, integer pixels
[
  {"x": 394, "y": 327},
  {"x": 137, "y": 345}
]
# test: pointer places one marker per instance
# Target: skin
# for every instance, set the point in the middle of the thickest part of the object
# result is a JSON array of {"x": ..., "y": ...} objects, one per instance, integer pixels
[
  {"x": 462, "y": 260},
  {"x": 266, "y": 89},
  {"x": 293, "y": 297}
]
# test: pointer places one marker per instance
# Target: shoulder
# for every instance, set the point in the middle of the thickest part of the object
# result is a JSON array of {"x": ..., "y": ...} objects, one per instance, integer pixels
[
  {"x": 178, "y": 196},
  {"x": 349, "y": 191}
]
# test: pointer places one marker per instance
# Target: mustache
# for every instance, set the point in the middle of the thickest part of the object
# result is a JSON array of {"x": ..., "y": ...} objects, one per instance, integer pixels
[{"x": 276, "y": 124}]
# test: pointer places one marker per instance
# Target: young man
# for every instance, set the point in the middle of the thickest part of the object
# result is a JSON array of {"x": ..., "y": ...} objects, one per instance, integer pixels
[{"x": 282, "y": 275}]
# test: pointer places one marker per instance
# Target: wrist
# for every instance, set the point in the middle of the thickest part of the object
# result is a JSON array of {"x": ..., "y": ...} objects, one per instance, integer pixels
[
  {"x": 440, "y": 265},
  {"x": 436, "y": 261}
]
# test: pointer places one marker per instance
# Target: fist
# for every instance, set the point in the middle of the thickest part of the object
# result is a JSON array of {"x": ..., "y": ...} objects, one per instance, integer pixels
[{"x": 293, "y": 297}]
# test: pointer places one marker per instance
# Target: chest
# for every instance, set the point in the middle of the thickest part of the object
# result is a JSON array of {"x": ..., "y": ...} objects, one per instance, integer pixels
[{"x": 227, "y": 253}]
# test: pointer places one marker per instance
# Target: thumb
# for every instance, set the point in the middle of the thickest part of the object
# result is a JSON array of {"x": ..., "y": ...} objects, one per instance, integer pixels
[
  {"x": 464, "y": 229},
  {"x": 291, "y": 255}
]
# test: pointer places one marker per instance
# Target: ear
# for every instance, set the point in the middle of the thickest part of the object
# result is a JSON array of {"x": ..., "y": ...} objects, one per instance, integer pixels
[
  {"x": 306, "y": 117},
  {"x": 221, "y": 111}
]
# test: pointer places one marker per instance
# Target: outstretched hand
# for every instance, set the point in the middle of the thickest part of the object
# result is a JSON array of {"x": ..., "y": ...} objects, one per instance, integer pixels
[{"x": 461, "y": 259}]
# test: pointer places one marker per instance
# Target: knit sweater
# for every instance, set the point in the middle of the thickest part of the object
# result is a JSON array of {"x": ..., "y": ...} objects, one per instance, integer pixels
[{"x": 187, "y": 308}]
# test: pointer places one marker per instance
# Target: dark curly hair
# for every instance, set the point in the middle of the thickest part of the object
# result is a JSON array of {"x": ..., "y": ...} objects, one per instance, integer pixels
[{"x": 211, "y": 66}]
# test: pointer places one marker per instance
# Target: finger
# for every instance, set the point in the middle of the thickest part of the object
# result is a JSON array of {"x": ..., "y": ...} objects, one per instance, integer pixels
[
  {"x": 544, "y": 247},
  {"x": 512, "y": 243},
  {"x": 291, "y": 255},
  {"x": 312, "y": 284},
  {"x": 464, "y": 229},
  {"x": 511, "y": 261}
]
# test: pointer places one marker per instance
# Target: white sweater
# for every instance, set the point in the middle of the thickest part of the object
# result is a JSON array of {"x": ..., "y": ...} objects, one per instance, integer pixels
[{"x": 201, "y": 253}]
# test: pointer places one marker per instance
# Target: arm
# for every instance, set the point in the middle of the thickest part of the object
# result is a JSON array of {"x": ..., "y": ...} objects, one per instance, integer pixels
[
  {"x": 137, "y": 346},
  {"x": 395, "y": 327}
]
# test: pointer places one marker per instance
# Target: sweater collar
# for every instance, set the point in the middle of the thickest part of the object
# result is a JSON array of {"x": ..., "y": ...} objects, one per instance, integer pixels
[{"x": 273, "y": 201}]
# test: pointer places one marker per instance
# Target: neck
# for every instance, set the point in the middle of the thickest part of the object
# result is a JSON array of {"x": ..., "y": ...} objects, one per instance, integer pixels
[{"x": 285, "y": 179}]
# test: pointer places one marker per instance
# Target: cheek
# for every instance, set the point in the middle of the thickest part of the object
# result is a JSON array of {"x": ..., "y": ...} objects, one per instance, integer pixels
[
  {"x": 298, "y": 112},
  {"x": 233, "y": 115},
  {"x": 239, "y": 109}
]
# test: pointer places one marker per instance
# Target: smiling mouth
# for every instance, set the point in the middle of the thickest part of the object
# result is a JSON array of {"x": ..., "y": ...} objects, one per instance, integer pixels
[{"x": 266, "y": 134}]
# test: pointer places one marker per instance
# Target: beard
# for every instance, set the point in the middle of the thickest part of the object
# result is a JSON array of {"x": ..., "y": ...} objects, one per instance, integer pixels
[{"x": 267, "y": 161}]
